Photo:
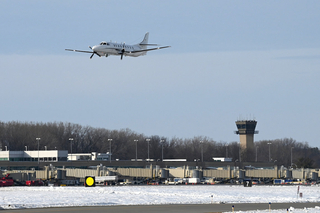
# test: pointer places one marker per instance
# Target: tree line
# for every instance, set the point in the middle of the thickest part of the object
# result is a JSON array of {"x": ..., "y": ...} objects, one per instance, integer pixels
[{"x": 17, "y": 136}]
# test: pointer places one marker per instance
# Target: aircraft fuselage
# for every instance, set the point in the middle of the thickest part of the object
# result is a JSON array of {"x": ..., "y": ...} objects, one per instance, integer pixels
[{"x": 110, "y": 48}]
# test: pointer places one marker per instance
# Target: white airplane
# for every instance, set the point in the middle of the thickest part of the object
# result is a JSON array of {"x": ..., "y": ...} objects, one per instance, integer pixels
[{"x": 122, "y": 49}]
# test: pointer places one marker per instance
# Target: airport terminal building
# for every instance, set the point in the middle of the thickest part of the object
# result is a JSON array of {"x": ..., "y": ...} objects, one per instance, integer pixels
[
  {"x": 42, "y": 155},
  {"x": 50, "y": 156}
]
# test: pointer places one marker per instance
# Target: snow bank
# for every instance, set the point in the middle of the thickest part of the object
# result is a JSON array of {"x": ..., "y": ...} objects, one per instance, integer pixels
[{"x": 38, "y": 197}]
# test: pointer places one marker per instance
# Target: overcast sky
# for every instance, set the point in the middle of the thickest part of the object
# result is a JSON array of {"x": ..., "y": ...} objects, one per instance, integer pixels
[{"x": 229, "y": 60}]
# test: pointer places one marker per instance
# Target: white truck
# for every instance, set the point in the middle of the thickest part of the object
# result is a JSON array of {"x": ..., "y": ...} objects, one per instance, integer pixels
[
  {"x": 106, "y": 180},
  {"x": 193, "y": 180}
]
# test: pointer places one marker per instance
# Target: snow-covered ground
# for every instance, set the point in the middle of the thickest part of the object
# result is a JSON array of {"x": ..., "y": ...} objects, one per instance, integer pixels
[
  {"x": 38, "y": 197},
  {"x": 291, "y": 210}
]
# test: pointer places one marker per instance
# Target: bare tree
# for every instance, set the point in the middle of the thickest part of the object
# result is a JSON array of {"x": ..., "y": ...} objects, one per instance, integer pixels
[{"x": 55, "y": 135}]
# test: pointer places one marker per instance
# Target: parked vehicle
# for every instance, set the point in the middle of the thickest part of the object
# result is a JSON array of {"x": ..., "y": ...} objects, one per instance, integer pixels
[
  {"x": 107, "y": 180},
  {"x": 278, "y": 181},
  {"x": 34, "y": 182},
  {"x": 6, "y": 181},
  {"x": 193, "y": 180}
]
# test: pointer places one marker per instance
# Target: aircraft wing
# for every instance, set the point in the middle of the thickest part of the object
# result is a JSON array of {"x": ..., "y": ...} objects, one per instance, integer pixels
[
  {"x": 145, "y": 50},
  {"x": 82, "y": 51}
]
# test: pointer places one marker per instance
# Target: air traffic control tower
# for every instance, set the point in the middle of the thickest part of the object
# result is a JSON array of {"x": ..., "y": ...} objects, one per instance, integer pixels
[{"x": 246, "y": 130}]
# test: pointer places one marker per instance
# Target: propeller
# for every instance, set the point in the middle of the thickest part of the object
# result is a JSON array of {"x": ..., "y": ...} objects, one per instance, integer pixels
[
  {"x": 93, "y": 53},
  {"x": 123, "y": 50}
]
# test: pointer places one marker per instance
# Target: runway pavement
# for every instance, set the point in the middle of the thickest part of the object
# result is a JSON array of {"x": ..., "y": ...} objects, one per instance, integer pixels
[{"x": 183, "y": 208}]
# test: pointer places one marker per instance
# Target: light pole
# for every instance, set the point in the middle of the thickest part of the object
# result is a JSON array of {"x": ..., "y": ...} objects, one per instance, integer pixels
[
  {"x": 269, "y": 152},
  {"x": 226, "y": 150},
  {"x": 110, "y": 140},
  {"x": 148, "y": 140},
  {"x": 38, "y": 139},
  {"x": 71, "y": 140},
  {"x": 136, "y": 149},
  {"x": 201, "y": 142},
  {"x": 162, "y": 141},
  {"x": 257, "y": 153},
  {"x": 291, "y": 156}
]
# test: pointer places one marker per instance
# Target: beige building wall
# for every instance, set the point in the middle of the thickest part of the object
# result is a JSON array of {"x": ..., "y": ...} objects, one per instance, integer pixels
[{"x": 246, "y": 141}]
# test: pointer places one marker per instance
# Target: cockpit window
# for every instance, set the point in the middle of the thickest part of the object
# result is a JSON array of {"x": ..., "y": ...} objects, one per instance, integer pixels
[{"x": 103, "y": 43}]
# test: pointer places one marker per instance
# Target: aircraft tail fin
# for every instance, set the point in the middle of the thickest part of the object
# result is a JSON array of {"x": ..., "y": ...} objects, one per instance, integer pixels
[
  {"x": 145, "y": 39},
  {"x": 144, "y": 43}
]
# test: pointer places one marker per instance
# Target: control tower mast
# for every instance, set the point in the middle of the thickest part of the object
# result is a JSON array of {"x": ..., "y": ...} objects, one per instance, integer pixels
[{"x": 246, "y": 131}]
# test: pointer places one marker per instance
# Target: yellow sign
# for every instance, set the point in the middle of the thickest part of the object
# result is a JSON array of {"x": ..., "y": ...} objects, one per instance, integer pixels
[{"x": 90, "y": 181}]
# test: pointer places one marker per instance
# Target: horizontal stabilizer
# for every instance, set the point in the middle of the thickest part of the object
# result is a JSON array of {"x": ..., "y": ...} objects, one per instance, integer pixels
[
  {"x": 145, "y": 50},
  {"x": 149, "y": 44}
]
